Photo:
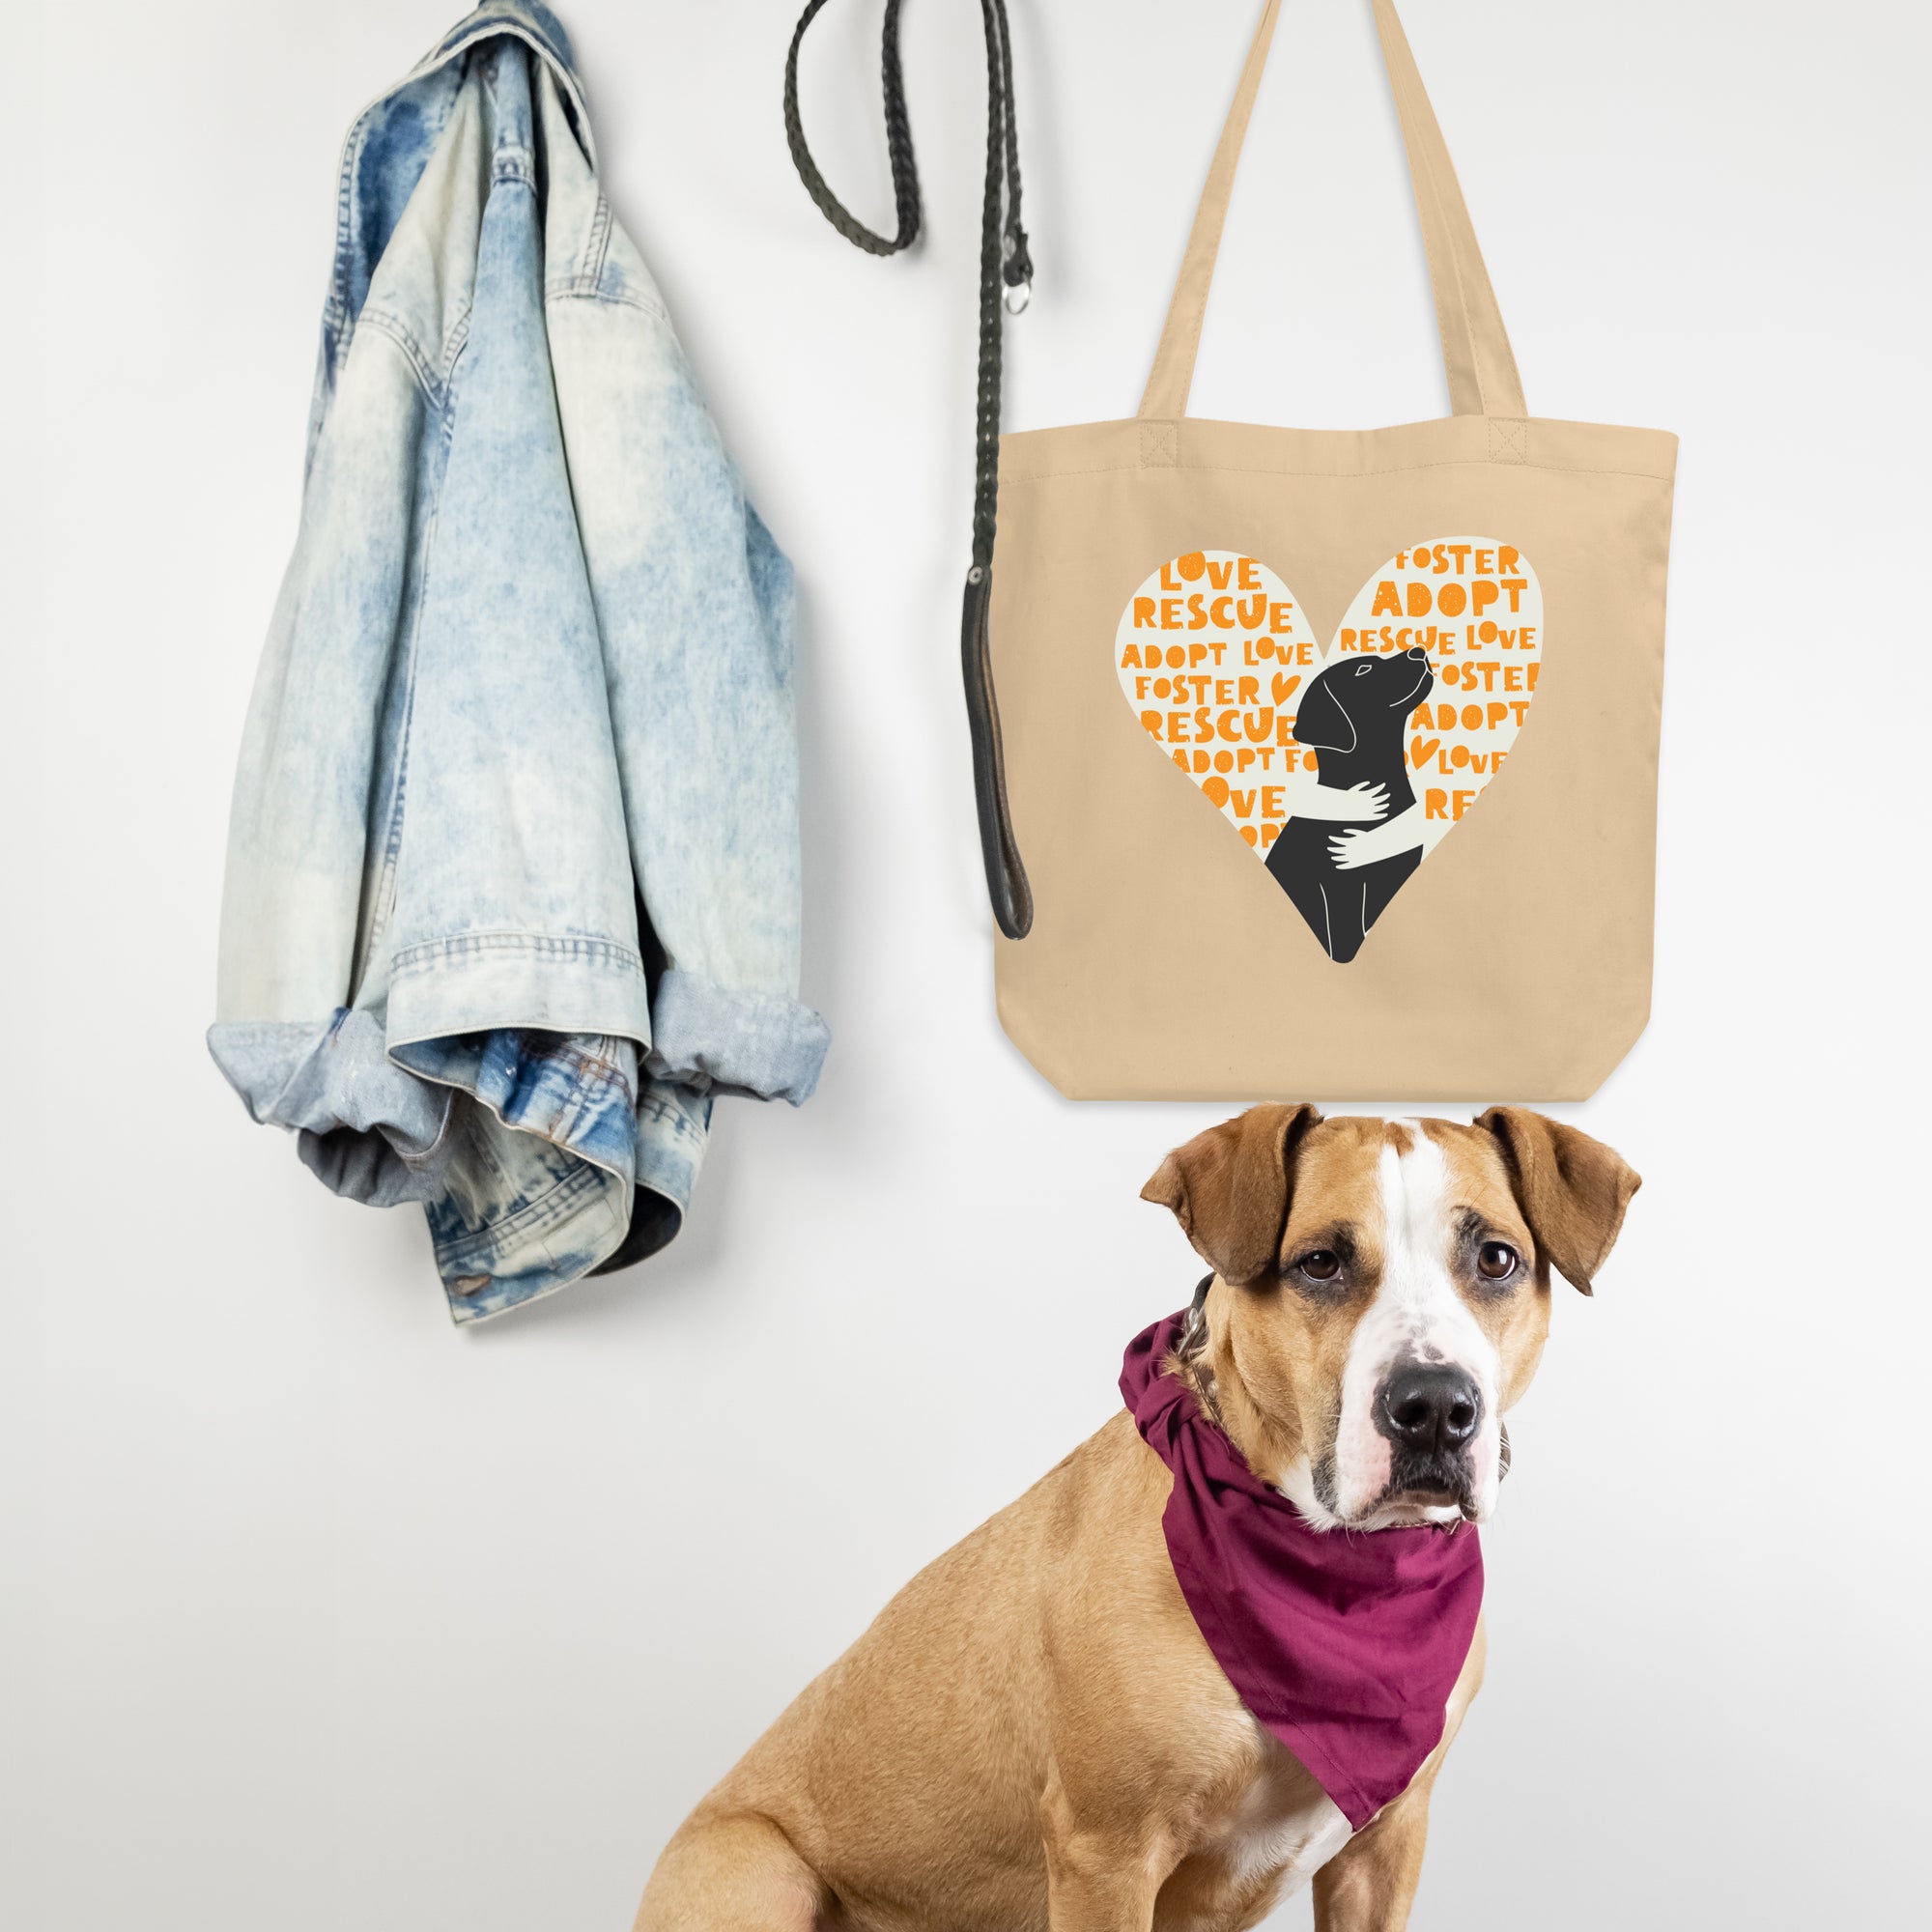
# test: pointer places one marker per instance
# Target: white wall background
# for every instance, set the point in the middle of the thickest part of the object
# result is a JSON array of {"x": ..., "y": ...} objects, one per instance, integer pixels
[{"x": 318, "y": 1614}]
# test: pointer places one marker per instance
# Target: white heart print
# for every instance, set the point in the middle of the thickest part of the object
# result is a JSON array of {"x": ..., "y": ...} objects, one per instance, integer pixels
[{"x": 1342, "y": 769}]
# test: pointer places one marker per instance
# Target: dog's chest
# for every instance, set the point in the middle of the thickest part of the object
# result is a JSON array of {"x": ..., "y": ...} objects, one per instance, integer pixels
[{"x": 1277, "y": 1829}]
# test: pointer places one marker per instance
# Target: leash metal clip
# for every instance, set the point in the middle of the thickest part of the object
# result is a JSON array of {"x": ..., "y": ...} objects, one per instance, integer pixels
[{"x": 1018, "y": 270}]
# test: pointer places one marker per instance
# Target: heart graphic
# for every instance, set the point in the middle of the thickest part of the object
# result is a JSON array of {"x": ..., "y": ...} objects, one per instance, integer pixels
[{"x": 1394, "y": 732}]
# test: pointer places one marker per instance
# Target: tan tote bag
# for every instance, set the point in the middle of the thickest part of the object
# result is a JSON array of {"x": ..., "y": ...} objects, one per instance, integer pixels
[{"x": 1332, "y": 754}]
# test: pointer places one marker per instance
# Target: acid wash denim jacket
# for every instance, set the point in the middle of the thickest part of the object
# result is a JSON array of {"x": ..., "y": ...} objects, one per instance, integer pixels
[{"x": 512, "y": 868}]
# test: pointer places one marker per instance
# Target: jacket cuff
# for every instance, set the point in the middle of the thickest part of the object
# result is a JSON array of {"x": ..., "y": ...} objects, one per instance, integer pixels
[
  {"x": 761, "y": 1045},
  {"x": 475, "y": 982},
  {"x": 369, "y": 1129}
]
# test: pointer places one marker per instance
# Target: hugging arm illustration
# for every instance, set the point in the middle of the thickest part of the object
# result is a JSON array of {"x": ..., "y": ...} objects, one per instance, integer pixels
[
  {"x": 1308, "y": 798},
  {"x": 1341, "y": 879},
  {"x": 1408, "y": 830}
]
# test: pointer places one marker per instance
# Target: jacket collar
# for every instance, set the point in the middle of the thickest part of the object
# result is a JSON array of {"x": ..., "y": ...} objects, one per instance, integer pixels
[
  {"x": 526, "y": 20},
  {"x": 534, "y": 22}
]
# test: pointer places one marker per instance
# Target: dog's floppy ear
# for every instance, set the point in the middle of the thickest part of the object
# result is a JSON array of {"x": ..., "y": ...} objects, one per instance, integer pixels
[
  {"x": 1321, "y": 724},
  {"x": 1229, "y": 1188},
  {"x": 1573, "y": 1190}
]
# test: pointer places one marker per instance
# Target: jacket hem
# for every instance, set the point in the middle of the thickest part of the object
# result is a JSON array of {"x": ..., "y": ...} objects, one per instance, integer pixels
[
  {"x": 529, "y": 1155},
  {"x": 570, "y": 1216}
]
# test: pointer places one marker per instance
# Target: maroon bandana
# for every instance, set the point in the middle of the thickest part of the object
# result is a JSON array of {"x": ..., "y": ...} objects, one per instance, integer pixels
[{"x": 1344, "y": 1644}]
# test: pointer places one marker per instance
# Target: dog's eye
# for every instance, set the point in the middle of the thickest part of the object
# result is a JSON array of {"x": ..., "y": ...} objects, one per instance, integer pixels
[
  {"x": 1361, "y": 670},
  {"x": 1497, "y": 1260},
  {"x": 1320, "y": 1265}
]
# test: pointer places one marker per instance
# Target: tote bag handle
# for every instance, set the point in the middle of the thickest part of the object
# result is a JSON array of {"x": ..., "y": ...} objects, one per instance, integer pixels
[{"x": 1475, "y": 348}]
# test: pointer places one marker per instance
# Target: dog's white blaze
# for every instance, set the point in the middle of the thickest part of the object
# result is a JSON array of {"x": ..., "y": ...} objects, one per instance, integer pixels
[{"x": 1417, "y": 1314}]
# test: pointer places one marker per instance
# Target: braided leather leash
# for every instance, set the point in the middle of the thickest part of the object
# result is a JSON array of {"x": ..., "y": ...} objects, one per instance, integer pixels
[{"x": 1002, "y": 256}]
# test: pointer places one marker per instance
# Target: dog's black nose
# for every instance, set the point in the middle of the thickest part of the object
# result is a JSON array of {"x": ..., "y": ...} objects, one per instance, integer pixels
[
  {"x": 1431, "y": 1410},
  {"x": 1416, "y": 652}
]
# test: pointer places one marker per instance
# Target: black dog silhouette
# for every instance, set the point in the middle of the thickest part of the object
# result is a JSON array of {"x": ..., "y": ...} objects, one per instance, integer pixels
[{"x": 1354, "y": 714}]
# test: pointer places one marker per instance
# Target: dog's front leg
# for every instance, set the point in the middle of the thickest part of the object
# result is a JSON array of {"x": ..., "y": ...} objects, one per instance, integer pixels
[
  {"x": 1100, "y": 1878},
  {"x": 1370, "y": 1883}
]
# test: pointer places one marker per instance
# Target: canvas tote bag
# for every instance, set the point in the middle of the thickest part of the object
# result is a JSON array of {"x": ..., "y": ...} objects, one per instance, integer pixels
[{"x": 1332, "y": 754}]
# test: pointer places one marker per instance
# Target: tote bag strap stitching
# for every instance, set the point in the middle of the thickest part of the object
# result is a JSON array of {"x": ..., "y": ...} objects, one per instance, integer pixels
[
  {"x": 1476, "y": 352},
  {"x": 1160, "y": 446}
]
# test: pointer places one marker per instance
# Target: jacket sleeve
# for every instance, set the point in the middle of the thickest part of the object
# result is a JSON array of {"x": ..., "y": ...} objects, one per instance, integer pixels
[{"x": 694, "y": 605}]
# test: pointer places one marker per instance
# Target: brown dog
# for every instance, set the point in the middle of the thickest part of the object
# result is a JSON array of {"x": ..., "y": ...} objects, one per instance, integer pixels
[{"x": 1034, "y": 1734}]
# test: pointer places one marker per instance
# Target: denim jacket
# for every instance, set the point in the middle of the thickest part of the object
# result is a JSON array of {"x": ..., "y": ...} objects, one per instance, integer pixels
[{"x": 513, "y": 870}]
